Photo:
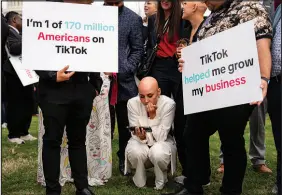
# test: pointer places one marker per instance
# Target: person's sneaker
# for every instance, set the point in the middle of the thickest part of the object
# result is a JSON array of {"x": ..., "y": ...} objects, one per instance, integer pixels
[
  {"x": 207, "y": 185},
  {"x": 221, "y": 168},
  {"x": 85, "y": 191},
  {"x": 16, "y": 140},
  {"x": 28, "y": 138},
  {"x": 122, "y": 168},
  {"x": 262, "y": 169},
  {"x": 180, "y": 179},
  {"x": 4, "y": 125},
  {"x": 182, "y": 192},
  {"x": 274, "y": 190}
]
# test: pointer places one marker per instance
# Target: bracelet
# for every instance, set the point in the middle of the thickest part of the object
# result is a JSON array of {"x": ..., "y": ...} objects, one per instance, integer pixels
[{"x": 266, "y": 79}]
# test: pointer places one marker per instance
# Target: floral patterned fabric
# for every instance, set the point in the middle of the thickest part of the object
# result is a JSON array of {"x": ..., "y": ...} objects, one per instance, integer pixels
[
  {"x": 235, "y": 12},
  {"x": 98, "y": 144}
]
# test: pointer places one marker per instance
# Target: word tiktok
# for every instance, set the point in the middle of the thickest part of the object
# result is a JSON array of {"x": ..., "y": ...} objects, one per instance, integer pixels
[
  {"x": 71, "y": 49},
  {"x": 208, "y": 58}
]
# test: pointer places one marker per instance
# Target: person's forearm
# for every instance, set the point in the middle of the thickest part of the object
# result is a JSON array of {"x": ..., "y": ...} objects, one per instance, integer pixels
[{"x": 264, "y": 55}]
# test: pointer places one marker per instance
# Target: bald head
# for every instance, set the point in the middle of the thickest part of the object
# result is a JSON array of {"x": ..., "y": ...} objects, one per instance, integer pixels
[
  {"x": 192, "y": 9},
  {"x": 202, "y": 7},
  {"x": 149, "y": 90},
  {"x": 148, "y": 83}
]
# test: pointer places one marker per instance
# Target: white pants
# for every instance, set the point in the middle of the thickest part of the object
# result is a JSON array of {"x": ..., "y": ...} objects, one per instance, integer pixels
[{"x": 140, "y": 157}]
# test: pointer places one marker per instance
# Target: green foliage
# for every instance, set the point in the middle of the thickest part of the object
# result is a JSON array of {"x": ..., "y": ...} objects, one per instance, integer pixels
[{"x": 19, "y": 170}]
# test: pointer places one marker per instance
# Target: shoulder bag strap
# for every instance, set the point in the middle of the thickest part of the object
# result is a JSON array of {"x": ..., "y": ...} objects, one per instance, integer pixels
[{"x": 164, "y": 30}]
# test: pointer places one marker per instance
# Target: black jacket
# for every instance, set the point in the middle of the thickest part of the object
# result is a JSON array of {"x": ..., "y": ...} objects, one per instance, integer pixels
[
  {"x": 81, "y": 86},
  {"x": 145, "y": 33},
  {"x": 188, "y": 29},
  {"x": 130, "y": 52},
  {"x": 4, "y": 36},
  {"x": 14, "y": 44}
]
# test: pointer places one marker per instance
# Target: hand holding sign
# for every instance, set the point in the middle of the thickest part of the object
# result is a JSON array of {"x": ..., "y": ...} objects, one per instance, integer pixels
[
  {"x": 178, "y": 51},
  {"x": 180, "y": 65},
  {"x": 263, "y": 47},
  {"x": 63, "y": 76},
  {"x": 180, "y": 45},
  {"x": 263, "y": 86}
]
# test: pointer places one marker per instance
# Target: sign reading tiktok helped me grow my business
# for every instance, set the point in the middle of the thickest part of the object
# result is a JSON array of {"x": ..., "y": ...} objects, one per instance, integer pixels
[
  {"x": 85, "y": 37},
  {"x": 222, "y": 70}
]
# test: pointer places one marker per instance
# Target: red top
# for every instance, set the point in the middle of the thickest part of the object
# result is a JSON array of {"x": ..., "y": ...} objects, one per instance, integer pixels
[{"x": 165, "y": 48}]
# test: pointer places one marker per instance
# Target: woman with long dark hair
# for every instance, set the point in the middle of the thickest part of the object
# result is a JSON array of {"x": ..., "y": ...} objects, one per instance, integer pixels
[{"x": 165, "y": 28}]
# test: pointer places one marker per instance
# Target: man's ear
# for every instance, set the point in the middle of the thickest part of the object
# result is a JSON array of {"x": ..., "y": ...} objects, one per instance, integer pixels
[
  {"x": 195, "y": 7},
  {"x": 159, "y": 91},
  {"x": 14, "y": 20}
]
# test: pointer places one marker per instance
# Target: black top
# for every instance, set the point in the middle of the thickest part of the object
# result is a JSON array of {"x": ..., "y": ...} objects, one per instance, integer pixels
[
  {"x": 4, "y": 36},
  {"x": 188, "y": 30},
  {"x": 14, "y": 45},
  {"x": 81, "y": 86}
]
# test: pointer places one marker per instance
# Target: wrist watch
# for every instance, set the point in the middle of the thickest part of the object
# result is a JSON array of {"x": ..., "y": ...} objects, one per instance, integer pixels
[{"x": 266, "y": 79}]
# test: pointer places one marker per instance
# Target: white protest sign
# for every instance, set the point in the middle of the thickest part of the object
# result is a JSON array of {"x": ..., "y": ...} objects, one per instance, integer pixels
[
  {"x": 85, "y": 37},
  {"x": 26, "y": 76},
  {"x": 222, "y": 70}
]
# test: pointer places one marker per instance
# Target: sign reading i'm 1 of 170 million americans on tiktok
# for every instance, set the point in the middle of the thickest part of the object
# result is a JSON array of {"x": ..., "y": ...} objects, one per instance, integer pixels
[{"x": 85, "y": 37}]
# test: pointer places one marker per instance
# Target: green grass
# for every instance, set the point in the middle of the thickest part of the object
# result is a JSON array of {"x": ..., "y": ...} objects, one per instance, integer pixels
[{"x": 19, "y": 170}]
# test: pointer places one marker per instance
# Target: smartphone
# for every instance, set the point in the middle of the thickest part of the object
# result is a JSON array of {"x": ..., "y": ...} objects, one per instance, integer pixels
[{"x": 147, "y": 129}]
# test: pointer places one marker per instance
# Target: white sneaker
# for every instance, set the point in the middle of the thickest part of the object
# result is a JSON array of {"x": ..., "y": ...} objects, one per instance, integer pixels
[
  {"x": 206, "y": 185},
  {"x": 159, "y": 188},
  {"x": 4, "y": 125},
  {"x": 180, "y": 179},
  {"x": 160, "y": 185},
  {"x": 16, "y": 140},
  {"x": 274, "y": 190},
  {"x": 28, "y": 138}
]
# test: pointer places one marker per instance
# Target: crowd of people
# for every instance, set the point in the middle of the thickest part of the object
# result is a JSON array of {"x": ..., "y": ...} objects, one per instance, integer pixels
[{"x": 152, "y": 127}]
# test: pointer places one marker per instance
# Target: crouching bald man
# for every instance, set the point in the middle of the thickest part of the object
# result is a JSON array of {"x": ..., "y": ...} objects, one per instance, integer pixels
[{"x": 150, "y": 149}]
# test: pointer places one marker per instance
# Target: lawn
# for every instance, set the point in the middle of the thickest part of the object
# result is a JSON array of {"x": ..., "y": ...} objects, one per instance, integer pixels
[{"x": 19, "y": 171}]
